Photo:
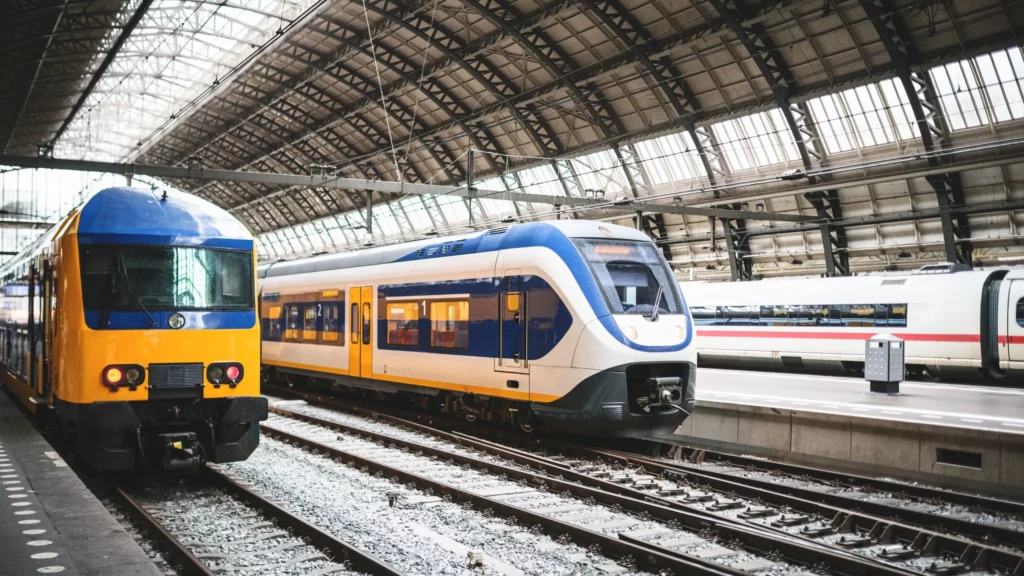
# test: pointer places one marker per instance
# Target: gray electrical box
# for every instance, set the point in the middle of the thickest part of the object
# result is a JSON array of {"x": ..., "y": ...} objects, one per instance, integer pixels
[{"x": 883, "y": 363}]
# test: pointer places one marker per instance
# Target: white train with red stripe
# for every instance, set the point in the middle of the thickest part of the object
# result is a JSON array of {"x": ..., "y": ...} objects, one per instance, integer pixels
[{"x": 954, "y": 323}]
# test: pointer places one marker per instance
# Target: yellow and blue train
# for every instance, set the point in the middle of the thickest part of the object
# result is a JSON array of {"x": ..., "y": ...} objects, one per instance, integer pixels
[{"x": 131, "y": 325}]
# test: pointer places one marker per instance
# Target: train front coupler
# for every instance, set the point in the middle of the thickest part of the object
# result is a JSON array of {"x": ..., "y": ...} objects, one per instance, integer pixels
[
  {"x": 663, "y": 392},
  {"x": 181, "y": 452}
]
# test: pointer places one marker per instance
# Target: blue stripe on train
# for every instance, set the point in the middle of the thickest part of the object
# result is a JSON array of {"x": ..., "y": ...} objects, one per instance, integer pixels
[
  {"x": 543, "y": 235},
  {"x": 194, "y": 320}
]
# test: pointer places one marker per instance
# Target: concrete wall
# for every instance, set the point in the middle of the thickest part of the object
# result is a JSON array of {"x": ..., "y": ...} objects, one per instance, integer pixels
[{"x": 861, "y": 445}]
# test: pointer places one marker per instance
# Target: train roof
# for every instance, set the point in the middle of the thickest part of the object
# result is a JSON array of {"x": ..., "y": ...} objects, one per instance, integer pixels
[
  {"x": 515, "y": 236},
  {"x": 142, "y": 216}
]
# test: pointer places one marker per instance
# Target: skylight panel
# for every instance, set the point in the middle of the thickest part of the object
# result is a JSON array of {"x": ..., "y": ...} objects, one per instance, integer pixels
[
  {"x": 670, "y": 158},
  {"x": 958, "y": 91},
  {"x": 602, "y": 171}
]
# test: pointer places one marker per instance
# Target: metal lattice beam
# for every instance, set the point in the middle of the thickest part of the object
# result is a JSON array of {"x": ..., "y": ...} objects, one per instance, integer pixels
[
  {"x": 775, "y": 71},
  {"x": 956, "y": 229}
]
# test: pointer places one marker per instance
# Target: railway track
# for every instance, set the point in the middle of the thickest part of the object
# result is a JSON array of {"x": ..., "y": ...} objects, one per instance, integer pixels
[
  {"x": 223, "y": 527},
  {"x": 621, "y": 526},
  {"x": 724, "y": 498}
]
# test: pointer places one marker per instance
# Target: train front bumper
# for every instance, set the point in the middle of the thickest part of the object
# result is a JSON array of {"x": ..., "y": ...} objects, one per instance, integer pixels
[
  {"x": 107, "y": 435},
  {"x": 616, "y": 402}
]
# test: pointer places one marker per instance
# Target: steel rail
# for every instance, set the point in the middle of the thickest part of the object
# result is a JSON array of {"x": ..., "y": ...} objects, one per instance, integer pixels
[
  {"x": 356, "y": 558},
  {"x": 645, "y": 558},
  {"x": 184, "y": 559},
  {"x": 752, "y": 538},
  {"x": 848, "y": 514}
]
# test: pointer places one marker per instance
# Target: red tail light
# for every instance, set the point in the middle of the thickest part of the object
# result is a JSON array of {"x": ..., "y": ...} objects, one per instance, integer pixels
[
  {"x": 233, "y": 372},
  {"x": 230, "y": 373}
]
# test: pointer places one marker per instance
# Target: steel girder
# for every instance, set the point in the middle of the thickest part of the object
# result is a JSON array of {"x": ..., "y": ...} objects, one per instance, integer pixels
[
  {"x": 737, "y": 241},
  {"x": 776, "y": 73},
  {"x": 956, "y": 228}
]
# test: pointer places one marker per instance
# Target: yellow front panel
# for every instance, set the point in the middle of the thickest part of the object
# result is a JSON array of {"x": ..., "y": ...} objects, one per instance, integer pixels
[{"x": 80, "y": 353}]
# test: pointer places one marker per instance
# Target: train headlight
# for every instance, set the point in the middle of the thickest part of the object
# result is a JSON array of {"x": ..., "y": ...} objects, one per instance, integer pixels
[
  {"x": 630, "y": 332},
  {"x": 124, "y": 375},
  {"x": 230, "y": 373},
  {"x": 681, "y": 331},
  {"x": 176, "y": 321},
  {"x": 133, "y": 375},
  {"x": 113, "y": 375}
]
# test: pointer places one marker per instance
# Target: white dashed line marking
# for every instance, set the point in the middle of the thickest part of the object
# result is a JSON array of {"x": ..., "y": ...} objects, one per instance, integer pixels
[
  {"x": 17, "y": 495},
  {"x": 14, "y": 488},
  {"x": 34, "y": 532},
  {"x": 44, "y": 555},
  {"x": 24, "y": 512},
  {"x": 39, "y": 542},
  {"x": 971, "y": 420},
  {"x": 1012, "y": 424},
  {"x": 29, "y": 521},
  {"x": 20, "y": 503},
  {"x": 51, "y": 569}
]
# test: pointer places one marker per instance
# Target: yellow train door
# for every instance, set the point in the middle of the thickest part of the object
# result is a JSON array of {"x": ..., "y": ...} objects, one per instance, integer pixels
[
  {"x": 354, "y": 337},
  {"x": 366, "y": 337}
]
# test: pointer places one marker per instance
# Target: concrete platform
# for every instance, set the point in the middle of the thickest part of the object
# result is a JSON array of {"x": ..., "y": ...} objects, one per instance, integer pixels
[
  {"x": 959, "y": 436},
  {"x": 50, "y": 523}
]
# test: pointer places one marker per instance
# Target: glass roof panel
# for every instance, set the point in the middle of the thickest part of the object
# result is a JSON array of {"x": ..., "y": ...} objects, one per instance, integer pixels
[
  {"x": 179, "y": 50},
  {"x": 602, "y": 171},
  {"x": 671, "y": 158},
  {"x": 958, "y": 91}
]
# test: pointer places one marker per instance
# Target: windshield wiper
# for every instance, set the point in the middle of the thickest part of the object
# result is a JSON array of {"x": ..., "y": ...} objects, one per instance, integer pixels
[
  {"x": 123, "y": 271},
  {"x": 657, "y": 303}
]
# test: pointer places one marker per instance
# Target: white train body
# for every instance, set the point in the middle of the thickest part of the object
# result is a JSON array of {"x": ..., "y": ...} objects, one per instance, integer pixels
[
  {"x": 952, "y": 322},
  {"x": 547, "y": 319}
]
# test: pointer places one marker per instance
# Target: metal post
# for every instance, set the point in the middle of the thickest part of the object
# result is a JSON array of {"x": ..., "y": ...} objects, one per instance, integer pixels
[
  {"x": 470, "y": 189},
  {"x": 369, "y": 214}
]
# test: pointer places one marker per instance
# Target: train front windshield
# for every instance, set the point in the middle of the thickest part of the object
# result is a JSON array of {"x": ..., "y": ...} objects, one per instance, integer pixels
[
  {"x": 121, "y": 277},
  {"x": 630, "y": 274}
]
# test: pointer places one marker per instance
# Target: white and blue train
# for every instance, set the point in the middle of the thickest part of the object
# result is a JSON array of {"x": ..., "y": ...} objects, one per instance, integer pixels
[{"x": 574, "y": 326}]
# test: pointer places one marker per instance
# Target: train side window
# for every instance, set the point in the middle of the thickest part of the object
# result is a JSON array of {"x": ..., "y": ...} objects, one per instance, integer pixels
[
  {"x": 737, "y": 315},
  {"x": 292, "y": 327},
  {"x": 835, "y": 315},
  {"x": 366, "y": 322},
  {"x": 898, "y": 315},
  {"x": 859, "y": 315},
  {"x": 703, "y": 315},
  {"x": 1020, "y": 312},
  {"x": 309, "y": 315},
  {"x": 331, "y": 322},
  {"x": 817, "y": 315},
  {"x": 403, "y": 323},
  {"x": 774, "y": 315},
  {"x": 274, "y": 324},
  {"x": 881, "y": 315},
  {"x": 354, "y": 328},
  {"x": 449, "y": 324}
]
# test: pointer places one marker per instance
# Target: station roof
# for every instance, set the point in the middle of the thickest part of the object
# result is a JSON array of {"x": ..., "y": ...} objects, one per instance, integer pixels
[{"x": 707, "y": 102}]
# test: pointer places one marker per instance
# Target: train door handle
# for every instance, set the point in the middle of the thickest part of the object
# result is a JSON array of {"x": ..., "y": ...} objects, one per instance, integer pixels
[
  {"x": 515, "y": 318},
  {"x": 515, "y": 356}
]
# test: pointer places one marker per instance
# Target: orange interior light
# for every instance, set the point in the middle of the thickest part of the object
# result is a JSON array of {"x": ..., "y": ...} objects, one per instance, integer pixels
[{"x": 612, "y": 250}]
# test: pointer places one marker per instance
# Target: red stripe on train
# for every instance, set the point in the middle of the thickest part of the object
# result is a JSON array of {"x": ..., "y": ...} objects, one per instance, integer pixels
[
  {"x": 816, "y": 335},
  {"x": 1002, "y": 339}
]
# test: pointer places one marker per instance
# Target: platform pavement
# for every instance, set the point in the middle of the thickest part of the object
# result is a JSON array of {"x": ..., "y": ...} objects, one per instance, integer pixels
[{"x": 50, "y": 523}]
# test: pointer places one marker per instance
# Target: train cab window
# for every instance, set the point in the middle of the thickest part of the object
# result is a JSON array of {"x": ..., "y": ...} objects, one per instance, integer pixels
[
  {"x": 1020, "y": 312},
  {"x": 403, "y": 323},
  {"x": 897, "y": 315},
  {"x": 366, "y": 323},
  {"x": 292, "y": 326},
  {"x": 630, "y": 275},
  {"x": 449, "y": 324},
  {"x": 703, "y": 315},
  {"x": 309, "y": 321},
  {"x": 331, "y": 323},
  {"x": 273, "y": 322},
  {"x": 354, "y": 328}
]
